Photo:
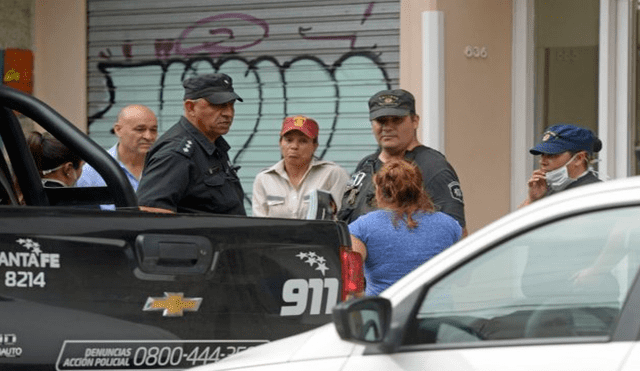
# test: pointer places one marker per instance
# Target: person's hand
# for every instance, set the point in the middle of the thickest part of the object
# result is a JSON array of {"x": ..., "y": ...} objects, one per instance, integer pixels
[
  {"x": 155, "y": 210},
  {"x": 537, "y": 185},
  {"x": 355, "y": 295}
]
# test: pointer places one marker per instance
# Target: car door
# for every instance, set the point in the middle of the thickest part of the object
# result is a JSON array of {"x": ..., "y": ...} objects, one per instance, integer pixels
[
  {"x": 561, "y": 296},
  {"x": 155, "y": 291}
]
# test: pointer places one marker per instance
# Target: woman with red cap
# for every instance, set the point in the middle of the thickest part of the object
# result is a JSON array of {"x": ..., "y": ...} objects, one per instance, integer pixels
[{"x": 284, "y": 189}]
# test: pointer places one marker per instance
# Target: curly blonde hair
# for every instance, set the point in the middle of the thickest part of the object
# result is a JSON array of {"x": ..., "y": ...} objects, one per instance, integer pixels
[{"x": 399, "y": 187}]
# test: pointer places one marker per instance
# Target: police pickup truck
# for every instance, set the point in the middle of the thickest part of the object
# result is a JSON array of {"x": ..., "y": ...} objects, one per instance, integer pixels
[{"x": 86, "y": 289}]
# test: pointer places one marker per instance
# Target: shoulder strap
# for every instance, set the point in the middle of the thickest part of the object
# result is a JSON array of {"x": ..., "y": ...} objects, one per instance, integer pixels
[
  {"x": 360, "y": 191},
  {"x": 185, "y": 147}
]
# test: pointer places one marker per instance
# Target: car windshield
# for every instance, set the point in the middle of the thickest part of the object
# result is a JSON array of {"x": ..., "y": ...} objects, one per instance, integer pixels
[{"x": 568, "y": 278}]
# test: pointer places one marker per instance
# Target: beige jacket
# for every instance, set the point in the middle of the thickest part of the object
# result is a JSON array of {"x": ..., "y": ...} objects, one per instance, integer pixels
[{"x": 275, "y": 196}]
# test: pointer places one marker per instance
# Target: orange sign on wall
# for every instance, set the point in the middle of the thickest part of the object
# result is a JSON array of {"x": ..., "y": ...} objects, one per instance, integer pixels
[{"x": 17, "y": 69}]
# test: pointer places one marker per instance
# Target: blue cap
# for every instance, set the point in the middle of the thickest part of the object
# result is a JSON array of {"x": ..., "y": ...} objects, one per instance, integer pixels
[{"x": 564, "y": 137}]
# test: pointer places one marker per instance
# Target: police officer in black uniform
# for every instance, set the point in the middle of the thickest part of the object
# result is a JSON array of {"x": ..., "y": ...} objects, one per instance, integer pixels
[
  {"x": 188, "y": 168},
  {"x": 394, "y": 124},
  {"x": 566, "y": 153}
]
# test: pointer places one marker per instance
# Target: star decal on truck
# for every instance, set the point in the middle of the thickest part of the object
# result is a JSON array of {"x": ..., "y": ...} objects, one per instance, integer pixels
[
  {"x": 173, "y": 304},
  {"x": 312, "y": 258},
  {"x": 30, "y": 244}
]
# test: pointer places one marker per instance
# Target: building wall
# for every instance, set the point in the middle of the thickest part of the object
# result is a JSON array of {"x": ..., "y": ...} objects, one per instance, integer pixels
[
  {"x": 478, "y": 91},
  {"x": 566, "y": 48},
  {"x": 284, "y": 57},
  {"x": 477, "y": 96},
  {"x": 60, "y": 59},
  {"x": 16, "y": 25}
]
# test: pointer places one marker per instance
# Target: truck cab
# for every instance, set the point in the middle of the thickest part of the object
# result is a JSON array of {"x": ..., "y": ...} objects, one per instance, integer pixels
[{"x": 83, "y": 288}]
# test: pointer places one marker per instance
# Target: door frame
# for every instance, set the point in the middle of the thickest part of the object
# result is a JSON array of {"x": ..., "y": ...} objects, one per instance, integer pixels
[{"x": 616, "y": 93}]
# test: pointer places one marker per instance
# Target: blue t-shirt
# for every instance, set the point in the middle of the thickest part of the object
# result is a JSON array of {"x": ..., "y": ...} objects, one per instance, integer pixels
[{"x": 392, "y": 252}]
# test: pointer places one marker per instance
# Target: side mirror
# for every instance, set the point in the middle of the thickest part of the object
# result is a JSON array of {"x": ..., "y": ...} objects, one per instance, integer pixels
[{"x": 364, "y": 320}]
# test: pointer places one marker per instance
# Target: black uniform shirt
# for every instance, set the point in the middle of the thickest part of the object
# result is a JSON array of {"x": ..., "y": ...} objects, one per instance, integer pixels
[
  {"x": 185, "y": 172},
  {"x": 438, "y": 177},
  {"x": 588, "y": 178},
  {"x": 440, "y": 180}
]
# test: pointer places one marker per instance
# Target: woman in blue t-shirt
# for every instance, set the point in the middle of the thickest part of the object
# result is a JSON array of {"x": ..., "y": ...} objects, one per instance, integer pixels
[{"x": 405, "y": 232}]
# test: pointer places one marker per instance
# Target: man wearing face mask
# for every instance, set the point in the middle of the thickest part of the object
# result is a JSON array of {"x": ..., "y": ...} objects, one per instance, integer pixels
[{"x": 565, "y": 154}]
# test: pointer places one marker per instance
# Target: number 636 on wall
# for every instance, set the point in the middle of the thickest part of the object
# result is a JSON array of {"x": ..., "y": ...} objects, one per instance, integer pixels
[{"x": 298, "y": 291}]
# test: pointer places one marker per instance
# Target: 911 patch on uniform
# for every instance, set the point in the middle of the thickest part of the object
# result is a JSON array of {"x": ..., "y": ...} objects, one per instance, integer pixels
[{"x": 456, "y": 191}]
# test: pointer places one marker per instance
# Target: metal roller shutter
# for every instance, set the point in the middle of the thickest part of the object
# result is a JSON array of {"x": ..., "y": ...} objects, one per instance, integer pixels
[{"x": 320, "y": 58}]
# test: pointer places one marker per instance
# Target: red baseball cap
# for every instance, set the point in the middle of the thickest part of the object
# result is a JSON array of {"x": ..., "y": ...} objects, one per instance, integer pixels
[{"x": 306, "y": 125}]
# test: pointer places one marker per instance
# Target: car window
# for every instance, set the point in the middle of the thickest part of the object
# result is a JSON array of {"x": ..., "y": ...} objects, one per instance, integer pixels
[
  {"x": 568, "y": 278},
  {"x": 7, "y": 184}
]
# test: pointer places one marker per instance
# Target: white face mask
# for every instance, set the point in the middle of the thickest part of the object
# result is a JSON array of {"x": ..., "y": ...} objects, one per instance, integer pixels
[
  {"x": 49, "y": 171},
  {"x": 559, "y": 179}
]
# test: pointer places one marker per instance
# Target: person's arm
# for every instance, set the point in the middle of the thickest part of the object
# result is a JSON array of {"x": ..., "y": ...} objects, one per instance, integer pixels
[
  {"x": 446, "y": 193},
  {"x": 259, "y": 198},
  {"x": 341, "y": 178},
  {"x": 359, "y": 247},
  {"x": 164, "y": 181},
  {"x": 156, "y": 210},
  {"x": 613, "y": 251}
]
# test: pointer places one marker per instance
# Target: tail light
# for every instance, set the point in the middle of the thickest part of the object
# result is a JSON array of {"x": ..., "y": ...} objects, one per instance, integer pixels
[{"x": 352, "y": 272}]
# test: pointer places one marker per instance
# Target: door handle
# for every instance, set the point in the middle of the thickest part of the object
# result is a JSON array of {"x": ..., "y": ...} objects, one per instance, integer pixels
[{"x": 175, "y": 254}]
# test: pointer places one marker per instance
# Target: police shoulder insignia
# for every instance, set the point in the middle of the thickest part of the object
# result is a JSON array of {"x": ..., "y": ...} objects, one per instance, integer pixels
[
  {"x": 456, "y": 191},
  {"x": 185, "y": 147}
]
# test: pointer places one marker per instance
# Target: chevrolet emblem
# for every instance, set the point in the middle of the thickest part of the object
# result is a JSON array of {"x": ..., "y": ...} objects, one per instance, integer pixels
[{"x": 173, "y": 304}]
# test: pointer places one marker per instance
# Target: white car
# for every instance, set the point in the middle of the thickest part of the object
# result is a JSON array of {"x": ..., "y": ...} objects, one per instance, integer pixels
[{"x": 553, "y": 286}]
